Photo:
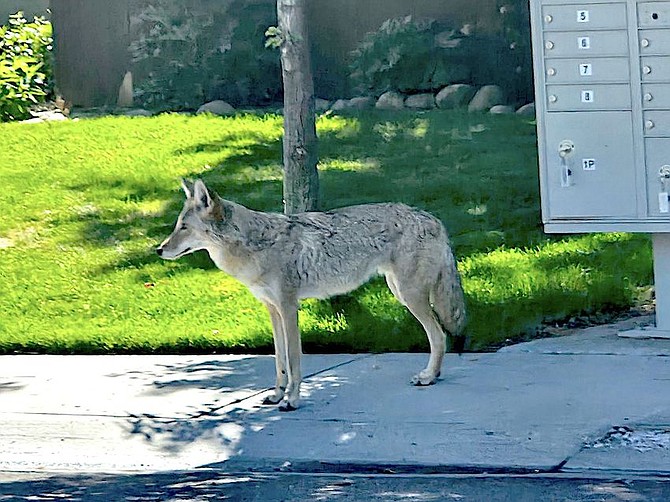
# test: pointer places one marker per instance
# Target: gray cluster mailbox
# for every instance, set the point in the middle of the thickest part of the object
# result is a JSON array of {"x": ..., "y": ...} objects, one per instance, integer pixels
[{"x": 602, "y": 84}]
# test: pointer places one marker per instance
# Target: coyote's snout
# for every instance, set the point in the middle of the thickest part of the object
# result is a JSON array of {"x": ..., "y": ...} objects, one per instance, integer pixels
[{"x": 285, "y": 258}]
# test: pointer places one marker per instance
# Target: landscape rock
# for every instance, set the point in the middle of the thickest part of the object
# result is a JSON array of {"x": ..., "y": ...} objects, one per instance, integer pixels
[
  {"x": 527, "y": 110},
  {"x": 45, "y": 116},
  {"x": 361, "y": 103},
  {"x": 501, "y": 110},
  {"x": 217, "y": 107},
  {"x": 321, "y": 105},
  {"x": 420, "y": 101},
  {"x": 390, "y": 100},
  {"x": 125, "y": 99},
  {"x": 486, "y": 98},
  {"x": 448, "y": 39},
  {"x": 358, "y": 103},
  {"x": 137, "y": 112},
  {"x": 455, "y": 96},
  {"x": 340, "y": 105}
]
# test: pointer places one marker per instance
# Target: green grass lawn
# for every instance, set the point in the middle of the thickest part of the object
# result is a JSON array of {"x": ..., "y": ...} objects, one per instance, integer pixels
[{"x": 85, "y": 203}]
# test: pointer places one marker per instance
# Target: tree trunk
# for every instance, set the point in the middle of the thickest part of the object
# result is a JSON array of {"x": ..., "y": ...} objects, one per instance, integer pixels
[{"x": 301, "y": 179}]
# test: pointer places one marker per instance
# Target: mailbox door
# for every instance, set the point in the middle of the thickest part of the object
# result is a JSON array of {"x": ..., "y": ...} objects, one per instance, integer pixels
[
  {"x": 602, "y": 181},
  {"x": 657, "y": 154}
]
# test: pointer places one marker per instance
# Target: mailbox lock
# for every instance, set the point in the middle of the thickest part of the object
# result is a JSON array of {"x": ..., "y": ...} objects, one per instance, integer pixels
[
  {"x": 644, "y": 42},
  {"x": 553, "y": 98},
  {"x": 648, "y": 96},
  {"x": 663, "y": 199},
  {"x": 549, "y": 44},
  {"x": 649, "y": 124},
  {"x": 551, "y": 72},
  {"x": 548, "y": 19},
  {"x": 565, "y": 150},
  {"x": 646, "y": 69}
]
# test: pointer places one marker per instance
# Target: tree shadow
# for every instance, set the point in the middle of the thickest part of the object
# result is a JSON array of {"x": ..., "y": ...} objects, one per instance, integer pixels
[
  {"x": 224, "y": 421},
  {"x": 268, "y": 487},
  {"x": 431, "y": 168}
]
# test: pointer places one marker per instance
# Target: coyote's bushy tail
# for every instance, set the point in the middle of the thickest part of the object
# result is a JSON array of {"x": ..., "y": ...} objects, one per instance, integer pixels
[{"x": 448, "y": 302}]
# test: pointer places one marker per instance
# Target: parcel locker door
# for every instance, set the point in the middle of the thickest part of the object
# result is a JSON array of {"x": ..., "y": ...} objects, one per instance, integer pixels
[{"x": 589, "y": 170}]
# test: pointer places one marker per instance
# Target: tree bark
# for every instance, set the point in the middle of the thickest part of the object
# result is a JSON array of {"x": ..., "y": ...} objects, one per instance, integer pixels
[{"x": 301, "y": 179}]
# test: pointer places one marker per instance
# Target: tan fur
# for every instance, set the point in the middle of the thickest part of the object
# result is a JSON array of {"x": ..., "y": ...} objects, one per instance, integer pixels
[{"x": 285, "y": 258}]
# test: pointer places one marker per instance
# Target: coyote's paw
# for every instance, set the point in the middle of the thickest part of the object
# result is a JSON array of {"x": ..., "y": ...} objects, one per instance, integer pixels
[
  {"x": 274, "y": 398},
  {"x": 287, "y": 405},
  {"x": 270, "y": 400},
  {"x": 424, "y": 378}
]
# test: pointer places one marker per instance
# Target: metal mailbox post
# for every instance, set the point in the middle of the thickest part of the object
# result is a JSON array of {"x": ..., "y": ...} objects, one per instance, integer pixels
[{"x": 602, "y": 86}]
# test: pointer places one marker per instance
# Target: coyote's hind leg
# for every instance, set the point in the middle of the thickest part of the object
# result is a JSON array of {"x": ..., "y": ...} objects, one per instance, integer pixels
[{"x": 418, "y": 303}]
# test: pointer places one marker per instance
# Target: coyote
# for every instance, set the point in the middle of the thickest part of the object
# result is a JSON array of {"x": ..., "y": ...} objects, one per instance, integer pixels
[{"x": 285, "y": 258}]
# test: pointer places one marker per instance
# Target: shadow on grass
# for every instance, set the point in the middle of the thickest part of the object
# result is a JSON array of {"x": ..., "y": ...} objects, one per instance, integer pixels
[
  {"x": 430, "y": 161},
  {"x": 476, "y": 172}
]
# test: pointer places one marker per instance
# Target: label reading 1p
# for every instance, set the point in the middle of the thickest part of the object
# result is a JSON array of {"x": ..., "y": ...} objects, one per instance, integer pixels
[{"x": 589, "y": 164}]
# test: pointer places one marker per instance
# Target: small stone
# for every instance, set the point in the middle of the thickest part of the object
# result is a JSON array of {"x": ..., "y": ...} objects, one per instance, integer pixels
[{"x": 501, "y": 110}]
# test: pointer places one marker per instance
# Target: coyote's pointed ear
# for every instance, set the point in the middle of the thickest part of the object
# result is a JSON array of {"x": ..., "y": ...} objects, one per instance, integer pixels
[
  {"x": 203, "y": 200},
  {"x": 187, "y": 187}
]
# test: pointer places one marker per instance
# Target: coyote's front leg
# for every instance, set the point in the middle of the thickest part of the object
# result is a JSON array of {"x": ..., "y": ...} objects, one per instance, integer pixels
[
  {"x": 280, "y": 356},
  {"x": 288, "y": 351},
  {"x": 293, "y": 352}
]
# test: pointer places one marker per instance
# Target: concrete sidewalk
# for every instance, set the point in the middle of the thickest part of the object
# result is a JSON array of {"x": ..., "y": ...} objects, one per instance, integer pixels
[{"x": 588, "y": 402}]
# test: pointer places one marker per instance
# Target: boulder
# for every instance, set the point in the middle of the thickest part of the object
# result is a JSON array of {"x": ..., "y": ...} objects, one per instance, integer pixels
[
  {"x": 424, "y": 101},
  {"x": 486, "y": 98},
  {"x": 448, "y": 39},
  {"x": 501, "y": 109},
  {"x": 527, "y": 110},
  {"x": 321, "y": 105},
  {"x": 361, "y": 103},
  {"x": 455, "y": 96},
  {"x": 217, "y": 107},
  {"x": 390, "y": 100},
  {"x": 340, "y": 105}
]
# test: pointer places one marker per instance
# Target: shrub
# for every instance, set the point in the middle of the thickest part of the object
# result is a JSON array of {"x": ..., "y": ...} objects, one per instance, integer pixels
[
  {"x": 25, "y": 65},
  {"x": 423, "y": 55},
  {"x": 515, "y": 31},
  {"x": 184, "y": 54}
]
